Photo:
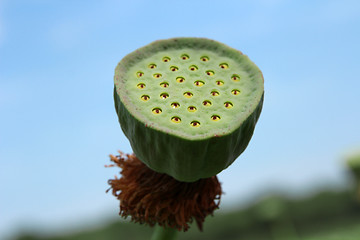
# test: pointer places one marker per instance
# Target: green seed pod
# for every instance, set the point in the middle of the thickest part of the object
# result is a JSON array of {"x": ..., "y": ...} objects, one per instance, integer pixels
[{"x": 188, "y": 105}]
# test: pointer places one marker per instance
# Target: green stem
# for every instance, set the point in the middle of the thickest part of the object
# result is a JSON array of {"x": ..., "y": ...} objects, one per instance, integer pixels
[{"x": 162, "y": 233}]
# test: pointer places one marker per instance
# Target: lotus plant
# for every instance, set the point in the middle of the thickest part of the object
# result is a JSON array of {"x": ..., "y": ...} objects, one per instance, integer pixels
[{"x": 189, "y": 107}]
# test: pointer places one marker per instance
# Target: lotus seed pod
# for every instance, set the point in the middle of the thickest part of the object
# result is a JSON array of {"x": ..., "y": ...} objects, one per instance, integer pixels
[{"x": 188, "y": 106}]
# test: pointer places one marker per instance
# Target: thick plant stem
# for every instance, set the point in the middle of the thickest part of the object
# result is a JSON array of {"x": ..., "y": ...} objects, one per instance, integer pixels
[{"x": 163, "y": 233}]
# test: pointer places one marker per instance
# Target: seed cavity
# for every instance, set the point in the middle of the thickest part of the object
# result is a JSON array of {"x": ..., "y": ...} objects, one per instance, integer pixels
[
  {"x": 164, "y": 84},
  {"x": 174, "y": 68},
  {"x": 180, "y": 79},
  {"x": 145, "y": 97},
  {"x": 176, "y": 119},
  {"x": 210, "y": 73},
  {"x": 139, "y": 74},
  {"x": 141, "y": 85},
  {"x": 215, "y": 93},
  {"x": 235, "y": 92},
  {"x": 188, "y": 94},
  {"x": 185, "y": 57},
  {"x": 228, "y": 105},
  {"x": 224, "y": 66},
  {"x": 166, "y": 59},
  {"x": 175, "y": 105},
  {"x": 157, "y": 75},
  {"x": 164, "y": 95},
  {"x": 199, "y": 83},
  {"x": 191, "y": 109},
  {"x": 193, "y": 68},
  {"x": 204, "y": 58},
  {"x": 195, "y": 124},
  {"x": 152, "y": 66},
  {"x": 157, "y": 110},
  {"x": 219, "y": 83},
  {"x": 207, "y": 103},
  {"x": 215, "y": 117},
  {"x": 235, "y": 77}
]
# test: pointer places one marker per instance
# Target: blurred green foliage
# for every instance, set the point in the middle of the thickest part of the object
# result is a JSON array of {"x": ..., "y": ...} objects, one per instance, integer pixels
[
  {"x": 353, "y": 163},
  {"x": 328, "y": 215}
]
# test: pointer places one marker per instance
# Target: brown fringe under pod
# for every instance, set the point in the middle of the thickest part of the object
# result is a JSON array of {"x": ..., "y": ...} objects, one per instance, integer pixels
[{"x": 154, "y": 198}]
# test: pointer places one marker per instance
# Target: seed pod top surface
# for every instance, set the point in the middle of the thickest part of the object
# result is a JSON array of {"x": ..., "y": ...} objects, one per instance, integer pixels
[
  {"x": 184, "y": 92},
  {"x": 170, "y": 85}
]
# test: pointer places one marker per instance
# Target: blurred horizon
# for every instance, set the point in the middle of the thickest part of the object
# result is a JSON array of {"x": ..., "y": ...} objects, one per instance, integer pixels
[{"x": 58, "y": 124}]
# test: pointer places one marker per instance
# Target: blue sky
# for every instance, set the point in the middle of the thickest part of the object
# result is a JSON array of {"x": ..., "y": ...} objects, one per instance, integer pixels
[{"x": 58, "y": 123}]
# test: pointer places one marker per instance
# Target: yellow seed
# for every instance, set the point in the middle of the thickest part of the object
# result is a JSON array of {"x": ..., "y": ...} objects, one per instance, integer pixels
[
  {"x": 215, "y": 93},
  {"x": 199, "y": 83},
  {"x": 191, "y": 109},
  {"x": 152, "y": 66},
  {"x": 224, "y": 66},
  {"x": 139, "y": 74},
  {"x": 157, "y": 75},
  {"x": 195, "y": 124},
  {"x": 206, "y": 103},
  {"x": 184, "y": 57},
  {"x": 235, "y": 78},
  {"x": 210, "y": 73},
  {"x": 188, "y": 94},
  {"x": 228, "y": 105},
  {"x": 166, "y": 59},
  {"x": 180, "y": 79},
  {"x": 173, "y": 68},
  {"x": 235, "y": 92},
  {"x": 164, "y": 95},
  {"x": 193, "y": 68},
  {"x": 215, "y": 118},
  {"x": 204, "y": 59},
  {"x": 145, "y": 97},
  {"x": 175, "y": 105},
  {"x": 176, "y": 119},
  {"x": 157, "y": 110},
  {"x": 219, "y": 83},
  {"x": 141, "y": 85},
  {"x": 164, "y": 84}
]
